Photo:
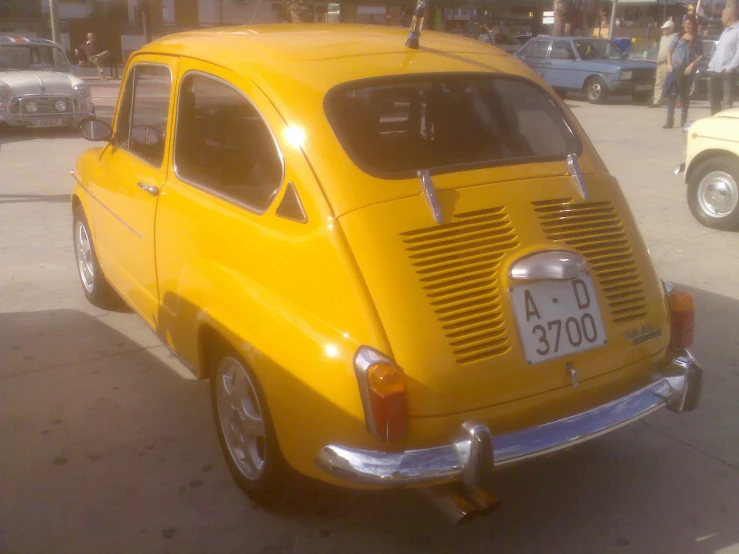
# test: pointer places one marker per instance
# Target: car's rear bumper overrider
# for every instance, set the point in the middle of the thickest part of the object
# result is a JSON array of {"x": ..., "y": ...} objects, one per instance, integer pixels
[{"x": 677, "y": 388}]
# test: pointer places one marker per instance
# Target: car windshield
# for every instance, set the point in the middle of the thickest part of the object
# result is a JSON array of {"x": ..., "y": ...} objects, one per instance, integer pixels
[
  {"x": 597, "y": 50},
  {"x": 33, "y": 57},
  {"x": 394, "y": 127}
]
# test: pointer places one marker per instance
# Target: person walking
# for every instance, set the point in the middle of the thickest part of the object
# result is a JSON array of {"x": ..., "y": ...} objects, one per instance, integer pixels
[
  {"x": 685, "y": 53},
  {"x": 89, "y": 52},
  {"x": 724, "y": 65},
  {"x": 669, "y": 36}
]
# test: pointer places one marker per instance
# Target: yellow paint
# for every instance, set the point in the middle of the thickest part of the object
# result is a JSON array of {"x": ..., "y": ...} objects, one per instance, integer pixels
[{"x": 298, "y": 299}]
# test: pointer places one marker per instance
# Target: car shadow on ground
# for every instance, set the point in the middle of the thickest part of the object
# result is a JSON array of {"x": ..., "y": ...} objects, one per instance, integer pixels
[
  {"x": 107, "y": 447},
  {"x": 10, "y": 134},
  {"x": 23, "y": 198}
]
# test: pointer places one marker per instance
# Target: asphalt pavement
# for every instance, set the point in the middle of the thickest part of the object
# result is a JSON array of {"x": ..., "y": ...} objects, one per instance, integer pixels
[{"x": 107, "y": 444}]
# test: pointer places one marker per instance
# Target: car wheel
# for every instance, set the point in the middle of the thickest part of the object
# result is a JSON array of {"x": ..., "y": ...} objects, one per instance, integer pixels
[
  {"x": 713, "y": 193},
  {"x": 246, "y": 433},
  {"x": 94, "y": 284},
  {"x": 596, "y": 90}
]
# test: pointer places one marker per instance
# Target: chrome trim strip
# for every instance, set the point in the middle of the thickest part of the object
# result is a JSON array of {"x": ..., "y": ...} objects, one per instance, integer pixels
[
  {"x": 677, "y": 388},
  {"x": 430, "y": 194},
  {"x": 559, "y": 265},
  {"x": 365, "y": 358},
  {"x": 107, "y": 208},
  {"x": 715, "y": 138},
  {"x": 206, "y": 188},
  {"x": 573, "y": 167}
]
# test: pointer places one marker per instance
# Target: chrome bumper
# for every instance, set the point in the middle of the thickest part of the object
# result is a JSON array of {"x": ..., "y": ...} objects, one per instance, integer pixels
[{"x": 677, "y": 388}]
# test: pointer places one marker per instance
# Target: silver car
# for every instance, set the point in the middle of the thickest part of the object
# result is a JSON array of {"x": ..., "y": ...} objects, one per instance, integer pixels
[{"x": 37, "y": 87}]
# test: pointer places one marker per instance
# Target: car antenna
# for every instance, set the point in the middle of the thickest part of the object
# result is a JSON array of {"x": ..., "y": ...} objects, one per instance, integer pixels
[{"x": 416, "y": 25}]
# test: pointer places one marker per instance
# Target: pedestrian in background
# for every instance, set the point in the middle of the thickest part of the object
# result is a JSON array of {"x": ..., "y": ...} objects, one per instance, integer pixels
[
  {"x": 89, "y": 52},
  {"x": 669, "y": 36},
  {"x": 682, "y": 58},
  {"x": 568, "y": 29},
  {"x": 724, "y": 65}
]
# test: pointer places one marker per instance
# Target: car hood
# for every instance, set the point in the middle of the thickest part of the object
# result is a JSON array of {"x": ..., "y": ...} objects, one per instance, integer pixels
[
  {"x": 38, "y": 82},
  {"x": 733, "y": 113}
]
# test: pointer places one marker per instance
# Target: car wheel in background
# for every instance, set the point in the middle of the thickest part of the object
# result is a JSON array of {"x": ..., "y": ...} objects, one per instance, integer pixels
[
  {"x": 246, "y": 433},
  {"x": 94, "y": 284},
  {"x": 596, "y": 90},
  {"x": 713, "y": 193}
]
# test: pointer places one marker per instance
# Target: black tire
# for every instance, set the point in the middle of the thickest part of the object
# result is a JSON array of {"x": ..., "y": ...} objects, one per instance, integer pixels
[
  {"x": 641, "y": 97},
  {"x": 596, "y": 90},
  {"x": 278, "y": 486},
  {"x": 715, "y": 182},
  {"x": 94, "y": 284}
]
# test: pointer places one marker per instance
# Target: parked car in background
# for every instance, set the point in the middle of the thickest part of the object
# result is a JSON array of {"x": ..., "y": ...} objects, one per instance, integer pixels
[
  {"x": 522, "y": 39},
  {"x": 394, "y": 274},
  {"x": 712, "y": 169},
  {"x": 506, "y": 43},
  {"x": 590, "y": 65},
  {"x": 700, "y": 82},
  {"x": 37, "y": 87}
]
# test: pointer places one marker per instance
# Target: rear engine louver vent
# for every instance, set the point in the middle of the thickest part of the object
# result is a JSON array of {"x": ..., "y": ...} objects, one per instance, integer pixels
[
  {"x": 595, "y": 230},
  {"x": 457, "y": 266}
]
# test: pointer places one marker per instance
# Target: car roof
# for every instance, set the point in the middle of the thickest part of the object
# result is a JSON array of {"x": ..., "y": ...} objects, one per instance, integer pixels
[
  {"x": 5, "y": 39},
  {"x": 296, "y": 64}
]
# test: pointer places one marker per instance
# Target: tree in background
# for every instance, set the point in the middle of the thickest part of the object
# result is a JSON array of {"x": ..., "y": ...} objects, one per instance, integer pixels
[
  {"x": 295, "y": 11},
  {"x": 560, "y": 14}
]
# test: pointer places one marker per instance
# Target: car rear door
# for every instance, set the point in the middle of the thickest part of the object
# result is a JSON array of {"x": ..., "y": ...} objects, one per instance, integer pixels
[
  {"x": 534, "y": 55},
  {"x": 559, "y": 68}
]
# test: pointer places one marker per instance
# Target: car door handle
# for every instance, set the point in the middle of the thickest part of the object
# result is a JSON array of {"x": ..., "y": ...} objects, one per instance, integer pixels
[{"x": 148, "y": 188}]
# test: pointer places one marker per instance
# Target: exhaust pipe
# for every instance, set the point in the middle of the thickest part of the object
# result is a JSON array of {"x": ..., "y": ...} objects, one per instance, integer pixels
[{"x": 460, "y": 503}]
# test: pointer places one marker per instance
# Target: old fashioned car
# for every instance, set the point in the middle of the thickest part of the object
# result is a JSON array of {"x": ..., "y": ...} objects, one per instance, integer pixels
[
  {"x": 398, "y": 267},
  {"x": 590, "y": 65},
  {"x": 711, "y": 169},
  {"x": 37, "y": 86}
]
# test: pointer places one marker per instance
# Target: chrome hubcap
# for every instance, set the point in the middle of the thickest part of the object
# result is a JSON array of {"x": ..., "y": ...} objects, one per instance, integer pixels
[
  {"x": 595, "y": 91},
  {"x": 240, "y": 417},
  {"x": 718, "y": 194},
  {"x": 83, "y": 251}
]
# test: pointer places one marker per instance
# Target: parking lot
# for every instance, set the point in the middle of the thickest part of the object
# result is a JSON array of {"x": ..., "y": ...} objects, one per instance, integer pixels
[{"x": 107, "y": 443}]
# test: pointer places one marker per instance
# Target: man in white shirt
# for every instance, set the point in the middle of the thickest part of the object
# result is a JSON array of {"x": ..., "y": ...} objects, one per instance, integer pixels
[
  {"x": 724, "y": 64},
  {"x": 669, "y": 36}
]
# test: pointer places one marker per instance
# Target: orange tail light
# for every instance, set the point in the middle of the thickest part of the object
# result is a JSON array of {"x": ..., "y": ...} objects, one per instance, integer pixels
[
  {"x": 383, "y": 392},
  {"x": 682, "y": 317}
]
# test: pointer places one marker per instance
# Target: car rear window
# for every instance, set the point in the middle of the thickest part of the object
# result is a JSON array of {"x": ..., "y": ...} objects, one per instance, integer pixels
[{"x": 392, "y": 128}]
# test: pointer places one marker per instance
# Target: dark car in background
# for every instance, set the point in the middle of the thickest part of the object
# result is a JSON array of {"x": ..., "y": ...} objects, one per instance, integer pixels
[
  {"x": 700, "y": 82},
  {"x": 590, "y": 65}
]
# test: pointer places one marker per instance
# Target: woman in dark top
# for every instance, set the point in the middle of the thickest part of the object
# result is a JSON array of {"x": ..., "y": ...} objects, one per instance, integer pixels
[{"x": 681, "y": 61}]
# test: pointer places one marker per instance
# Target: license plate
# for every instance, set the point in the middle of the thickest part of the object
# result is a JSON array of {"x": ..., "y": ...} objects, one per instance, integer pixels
[
  {"x": 557, "y": 318},
  {"x": 54, "y": 122},
  {"x": 644, "y": 87}
]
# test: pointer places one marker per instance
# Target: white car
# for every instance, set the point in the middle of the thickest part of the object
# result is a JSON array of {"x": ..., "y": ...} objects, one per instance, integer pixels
[
  {"x": 37, "y": 87},
  {"x": 712, "y": 169}
]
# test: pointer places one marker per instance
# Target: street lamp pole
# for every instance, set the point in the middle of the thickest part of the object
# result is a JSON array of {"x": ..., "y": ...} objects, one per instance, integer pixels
[{"x": 55, "y": 25}]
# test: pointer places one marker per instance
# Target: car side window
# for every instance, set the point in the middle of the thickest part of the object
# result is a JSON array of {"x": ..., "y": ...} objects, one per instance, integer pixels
[
  {"x": 150, "y": 111},
  {"x": 537, "y": 49},
  {"x": 562, "y": 50},
  {"x": 222, "y": 143}
]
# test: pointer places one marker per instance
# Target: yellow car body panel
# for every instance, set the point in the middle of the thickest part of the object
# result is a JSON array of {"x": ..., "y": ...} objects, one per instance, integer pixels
[{"x": 297, "y": 299}]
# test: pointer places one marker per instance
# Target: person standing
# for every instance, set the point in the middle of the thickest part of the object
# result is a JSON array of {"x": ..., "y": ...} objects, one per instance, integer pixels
[
  {"x": 568, "y": 29},
  {"x": 724, "y": 65},
  {"x": 669, "y": 36},
  {"x": 685, "y": 53}
]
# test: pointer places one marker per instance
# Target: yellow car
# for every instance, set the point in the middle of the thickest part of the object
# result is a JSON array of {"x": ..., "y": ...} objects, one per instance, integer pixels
[{"x": 397, "y": 266}]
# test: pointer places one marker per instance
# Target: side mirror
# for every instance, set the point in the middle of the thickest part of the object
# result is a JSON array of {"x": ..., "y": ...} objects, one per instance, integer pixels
[{"x": 96, "y": 130}]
